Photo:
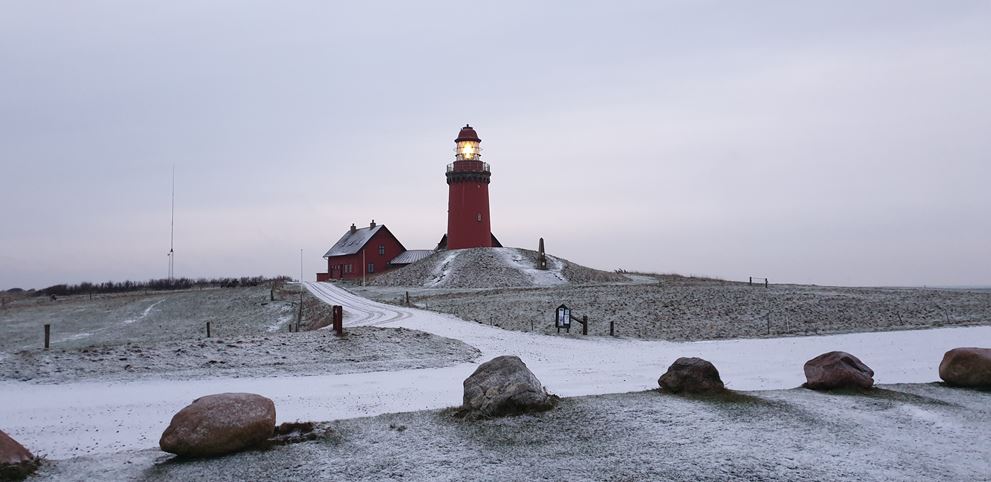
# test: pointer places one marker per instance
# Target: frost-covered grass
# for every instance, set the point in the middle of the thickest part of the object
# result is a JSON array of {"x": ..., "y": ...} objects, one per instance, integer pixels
[
  {"x": 679, "y": 308},
  {"x": 897, "y": 432},
  {"x": 362, "y": 349},
  {"x": 78, "y": 321}
]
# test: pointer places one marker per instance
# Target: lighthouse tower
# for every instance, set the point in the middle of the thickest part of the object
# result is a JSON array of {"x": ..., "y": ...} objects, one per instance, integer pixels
[{"x": 468, "y": 223}]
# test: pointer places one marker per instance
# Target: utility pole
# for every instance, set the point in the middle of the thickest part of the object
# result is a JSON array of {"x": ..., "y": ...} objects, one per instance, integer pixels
[
  {"x": 301, "y": 288},
  {"x": 172, "y": 233}
]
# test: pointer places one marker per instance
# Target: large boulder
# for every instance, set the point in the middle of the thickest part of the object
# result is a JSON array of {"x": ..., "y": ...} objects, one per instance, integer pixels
[
  {"x": 220, "y": 424},
  {"x": 505, "y": 386},
  {"x": 16, "y": 462},
  {"x": 837, "y": 369},
  {"x": 967, "y": 367},
  {"x": 691, "y": 375}
]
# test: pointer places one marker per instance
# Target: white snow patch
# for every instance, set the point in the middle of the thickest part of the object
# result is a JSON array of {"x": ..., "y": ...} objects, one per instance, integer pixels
[
  {"x": 552, "y": 276},
  {"x": 442, "y": 270},
  {"x": 283, "y": 319},
  {"x": 144, "y": 314}
]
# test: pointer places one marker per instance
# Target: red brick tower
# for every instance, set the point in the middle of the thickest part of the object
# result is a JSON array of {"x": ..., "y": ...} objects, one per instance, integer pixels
[{"x": 468, "y": 223}]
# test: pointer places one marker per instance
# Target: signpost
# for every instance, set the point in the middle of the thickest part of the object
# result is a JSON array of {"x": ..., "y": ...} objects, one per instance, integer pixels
[{"x": 562, "y": 318}]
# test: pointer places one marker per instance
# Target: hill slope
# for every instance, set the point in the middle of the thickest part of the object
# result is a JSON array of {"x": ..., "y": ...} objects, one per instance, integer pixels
[{"x": 491, "y": 268}]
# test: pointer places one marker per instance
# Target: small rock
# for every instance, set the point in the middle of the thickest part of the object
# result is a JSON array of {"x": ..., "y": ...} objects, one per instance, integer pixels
[
  {"x": 837, "y": 369},
  {"x": 220, "y": 424},
  {"x": 16, "y": 462},
  {"x": 505, "y": 386},
  {"x": 691, "y": 375},
  {"x": 967, "y": 367}
]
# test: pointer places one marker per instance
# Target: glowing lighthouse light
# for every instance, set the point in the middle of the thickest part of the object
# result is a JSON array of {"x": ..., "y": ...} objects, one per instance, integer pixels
[{"x": 467, "y": 148}]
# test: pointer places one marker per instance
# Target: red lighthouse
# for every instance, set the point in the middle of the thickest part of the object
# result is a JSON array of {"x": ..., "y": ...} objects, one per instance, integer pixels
[{"x": 468, "y": 223}]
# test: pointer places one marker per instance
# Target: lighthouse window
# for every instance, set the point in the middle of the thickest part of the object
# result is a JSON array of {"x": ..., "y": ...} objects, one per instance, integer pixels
[
  {"x": 478, "y": 217},
  {"x": 381, "y": 250}
]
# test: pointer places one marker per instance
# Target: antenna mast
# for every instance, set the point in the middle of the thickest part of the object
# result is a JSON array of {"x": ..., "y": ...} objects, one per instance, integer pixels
[{"x": 172, "y": 232}]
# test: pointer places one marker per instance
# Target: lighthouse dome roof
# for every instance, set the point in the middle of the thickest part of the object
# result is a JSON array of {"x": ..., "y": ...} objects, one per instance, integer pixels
[{"x": 467, "y": 134}]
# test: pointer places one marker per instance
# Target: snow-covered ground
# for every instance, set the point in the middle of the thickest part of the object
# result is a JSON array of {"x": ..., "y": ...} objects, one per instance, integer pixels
[
  {"x": 915, "y": 432},
  {"x": 87, "y": 418},
  {"x": 491, "y": 268}
]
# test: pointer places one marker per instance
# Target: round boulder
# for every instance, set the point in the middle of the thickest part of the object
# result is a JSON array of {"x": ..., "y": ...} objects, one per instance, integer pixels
[
  {"x": 837, "y": 369},
  {"x": 16, "y": 462},
  {"x": 967, "y": 367},
  {"x": 220, "y": 424},
  {"x": 505, "y": 386},
  {"x": 691, "y": 375}
]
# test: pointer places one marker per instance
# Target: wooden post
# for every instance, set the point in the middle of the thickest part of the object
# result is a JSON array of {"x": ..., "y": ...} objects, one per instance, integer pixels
[
  {"x": 611, "y": 332},
  {"x": 751, "y": 282},
  {"x": 48, "y": 335},
  {"x": 338, "y": 315},
  {"x": 407, "y": 298},
  {"x": 765, "y": 282},
  {"x": 299, "y": 317},
  {"x": 584, "y": 324},
  {"x": 208, "y": 329}
]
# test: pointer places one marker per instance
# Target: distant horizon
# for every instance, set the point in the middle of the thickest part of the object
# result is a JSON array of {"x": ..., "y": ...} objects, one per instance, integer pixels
[
  {"x": 840, "y": 144},
  {"x": 295, "y": 277}
]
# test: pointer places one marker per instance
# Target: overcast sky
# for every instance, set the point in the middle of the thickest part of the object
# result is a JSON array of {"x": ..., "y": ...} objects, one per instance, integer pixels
[{"x": 832, "y": 142}]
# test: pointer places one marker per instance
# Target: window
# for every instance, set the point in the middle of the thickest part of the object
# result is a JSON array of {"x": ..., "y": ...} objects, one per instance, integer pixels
[
  {"x": 381, "y": 250},
  {"x": 371, "y": 267},
  {"x": 347, "y": 268}
]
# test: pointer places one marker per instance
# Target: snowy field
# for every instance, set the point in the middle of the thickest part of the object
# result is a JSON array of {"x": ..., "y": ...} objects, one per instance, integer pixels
[
  {"x": 88, "y": 418},
  {"x": 78, "y": 321},
  {"x": 896, "y": 432},
  {"x": 679, "y": 308}
]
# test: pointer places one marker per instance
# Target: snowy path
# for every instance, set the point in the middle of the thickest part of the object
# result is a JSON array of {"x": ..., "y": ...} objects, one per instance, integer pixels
[{"x": 66, "y": 420}]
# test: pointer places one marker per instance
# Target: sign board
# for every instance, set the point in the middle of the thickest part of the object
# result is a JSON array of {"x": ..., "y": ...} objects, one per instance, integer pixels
[{"x": 562, "y": 317}]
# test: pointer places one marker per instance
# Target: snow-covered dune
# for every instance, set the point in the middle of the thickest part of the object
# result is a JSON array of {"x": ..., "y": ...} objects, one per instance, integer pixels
[{"x": 491, "y": 268}]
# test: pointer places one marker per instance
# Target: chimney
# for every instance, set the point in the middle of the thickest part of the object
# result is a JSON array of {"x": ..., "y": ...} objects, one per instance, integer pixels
[
  {"x": 353, "y": 229},
  {"x": 372, "y": 224}
]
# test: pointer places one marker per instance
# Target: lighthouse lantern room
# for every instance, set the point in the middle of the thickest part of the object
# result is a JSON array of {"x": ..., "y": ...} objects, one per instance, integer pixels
[{"x": 468, "y": 178}]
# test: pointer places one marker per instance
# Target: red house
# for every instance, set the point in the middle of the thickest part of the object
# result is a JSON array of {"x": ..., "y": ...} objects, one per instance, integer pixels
[{"x": 361, "y": 250}]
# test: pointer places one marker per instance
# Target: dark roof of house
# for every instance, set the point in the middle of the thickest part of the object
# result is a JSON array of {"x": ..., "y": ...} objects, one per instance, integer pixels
[
  {"x": 353, "y": 241},
  {"x": 411, "y": 256}
]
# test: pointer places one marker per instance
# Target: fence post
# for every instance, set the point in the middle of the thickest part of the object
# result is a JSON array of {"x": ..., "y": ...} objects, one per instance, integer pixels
[
  {"x": 338, "y": 315},
  {"x": 48, "y": 335},
  {"x": 407, "y": 298},
  {"x": 611, "y": 332},
  {"x": 765, "y": 282},
  {"x": 584, "y": 324},
  {"x": 208, "y": 329},
  {"x": 751, "y": 281}
]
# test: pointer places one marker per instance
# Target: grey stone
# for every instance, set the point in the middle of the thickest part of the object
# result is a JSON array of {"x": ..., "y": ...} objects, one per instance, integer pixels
[
  {"x": 16, "y": 462},
  {"x": 837, "y": 369},
  {"x": 691, "y": 375},
  {"x": 220, "y": 424},
  {"x": 967, "y": 367},
  {"x": 505, "y": 386}
]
